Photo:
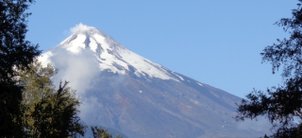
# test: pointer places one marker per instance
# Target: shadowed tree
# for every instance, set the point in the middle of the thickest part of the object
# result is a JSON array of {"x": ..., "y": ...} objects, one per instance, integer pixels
[
  {"x": 48, "y": 112},
  {"x": 55, "y": 115},
  {"x": 15, "y": 52},
  {"x": 37, "y": 85},
  {"x": 282, "y": 104},
  {"x": 100, "y": 133}
]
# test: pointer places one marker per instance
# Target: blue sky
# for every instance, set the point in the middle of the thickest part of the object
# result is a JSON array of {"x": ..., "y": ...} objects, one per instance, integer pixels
[{"x": 214, "y": 42}]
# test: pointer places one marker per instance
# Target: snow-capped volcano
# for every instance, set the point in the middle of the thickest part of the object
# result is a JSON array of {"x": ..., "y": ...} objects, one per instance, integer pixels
[
  {"x": 111, "y": 55},
  {"x": 129, "y": 94}
]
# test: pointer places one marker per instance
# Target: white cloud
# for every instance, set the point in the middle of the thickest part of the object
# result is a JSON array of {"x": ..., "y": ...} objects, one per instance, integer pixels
[{"x": 78, "y": 69}]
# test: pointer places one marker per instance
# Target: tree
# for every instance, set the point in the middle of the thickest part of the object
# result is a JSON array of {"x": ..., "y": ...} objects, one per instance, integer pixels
[
  {"x": 36, "y": 86},
  {"x": 100, "y": 133},
  {"x": 55, "y": 115},
  {"x": 15, "y": 52},
  {"x": 48, "y": 112},
  {"x": 282, "y": 104}
]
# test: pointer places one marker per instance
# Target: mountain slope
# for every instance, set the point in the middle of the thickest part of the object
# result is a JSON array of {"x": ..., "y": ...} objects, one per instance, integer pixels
[{"x": 127, "y": 93}]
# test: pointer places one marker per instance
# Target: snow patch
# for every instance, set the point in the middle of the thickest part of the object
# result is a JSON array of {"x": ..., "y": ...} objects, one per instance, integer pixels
[
  {"x": 181, "y": 78},
  {"x": 144, "y": 66},
  {"x": 195, "y": 101},
  {"x": 200, "y": 84},
  {"x": 77, "y": 45}
]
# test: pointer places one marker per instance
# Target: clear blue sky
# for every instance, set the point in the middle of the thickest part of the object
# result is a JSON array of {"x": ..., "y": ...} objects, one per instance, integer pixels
[{"x": 214, "y": 42}]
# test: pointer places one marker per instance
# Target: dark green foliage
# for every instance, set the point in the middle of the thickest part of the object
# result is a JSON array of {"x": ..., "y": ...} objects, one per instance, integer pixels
[
  {"x": 283, "y": 104},
  {"x": 100, "y": 133},
  {"x": 15, "y": 52},
  {"x": 286, "y": 53},
  {"x": 37, "y": 86},
  {"x": 47, "y": 112},
  {"x": 55, "y": 115}
]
